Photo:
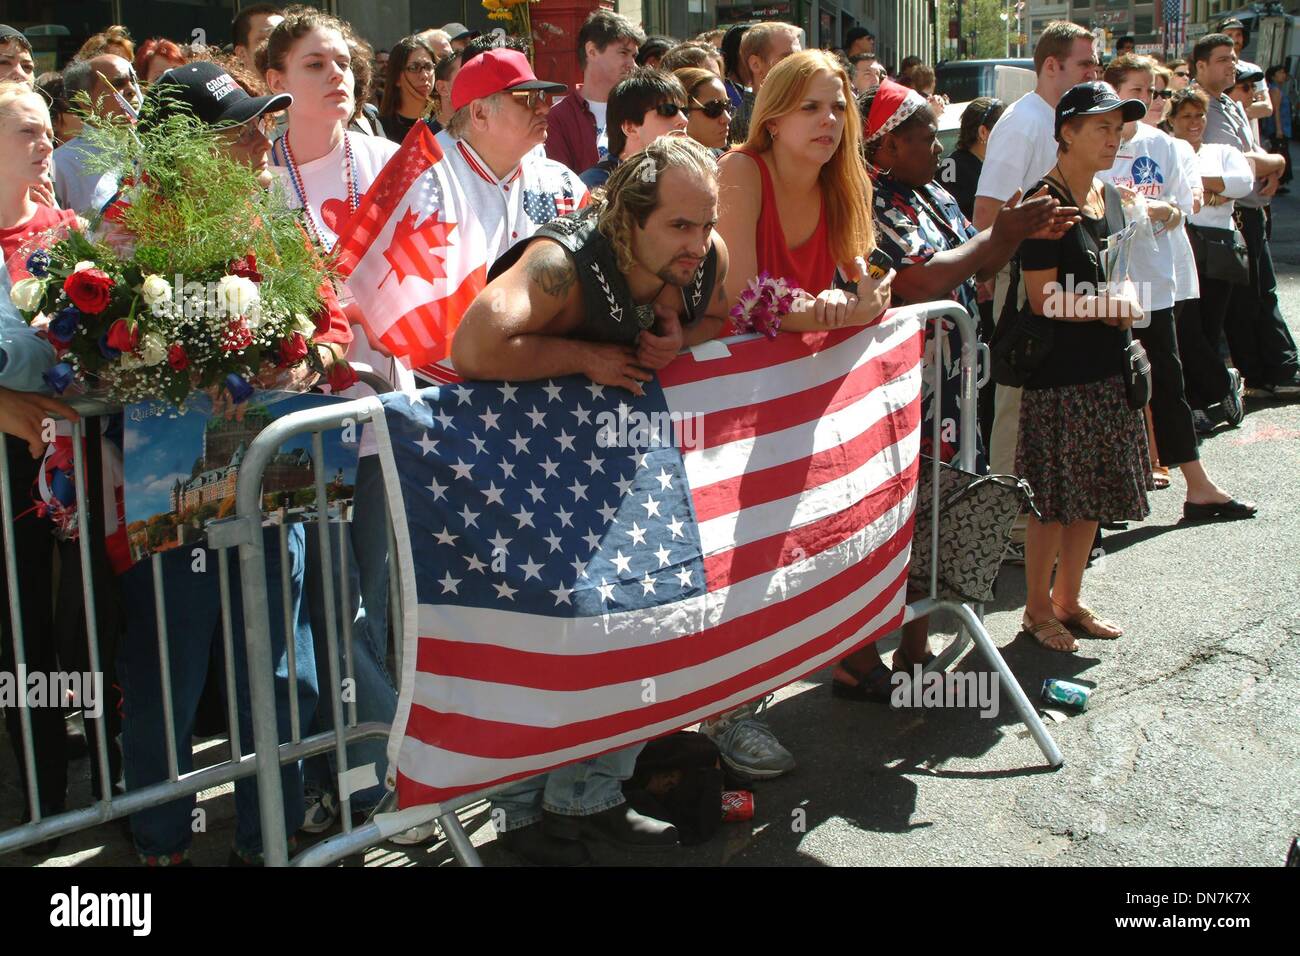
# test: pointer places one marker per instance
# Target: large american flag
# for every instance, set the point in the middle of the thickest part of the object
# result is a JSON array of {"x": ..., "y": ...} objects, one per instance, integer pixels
[{"x": 572, "y": 587}]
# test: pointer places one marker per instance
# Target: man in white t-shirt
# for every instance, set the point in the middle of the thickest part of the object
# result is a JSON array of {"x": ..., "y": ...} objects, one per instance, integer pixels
[{"x": 1022, "y": 150}]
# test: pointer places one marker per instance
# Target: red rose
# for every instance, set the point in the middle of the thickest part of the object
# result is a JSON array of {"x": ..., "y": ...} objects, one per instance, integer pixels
[
  {"x": 341, "y": 377},
  {"x": 237, "y": 336},
  {"x": 177, "y": 358},
  {"x": 90, "y": 290},
  {"x": 246, "y": 267},
  {"x": 292, "y": 350},
  {"x": 123, "y": 336}
]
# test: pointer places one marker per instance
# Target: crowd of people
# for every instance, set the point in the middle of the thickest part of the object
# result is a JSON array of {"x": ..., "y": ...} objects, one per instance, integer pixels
[{"x": 767, "y": 158}]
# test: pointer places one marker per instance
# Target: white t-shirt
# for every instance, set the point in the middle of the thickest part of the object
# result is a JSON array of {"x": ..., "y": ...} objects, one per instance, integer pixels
[
  {"x": 1149, "y": 165},
  {"x": 76, "y": 187},
  {"x": 1227, "y": 163},
  {"x": 1021, "y": 149},
  {"x": 324, "y": 181},
  {"x": 600, "y": 111},
  {"x": 1187, "y": 284}
]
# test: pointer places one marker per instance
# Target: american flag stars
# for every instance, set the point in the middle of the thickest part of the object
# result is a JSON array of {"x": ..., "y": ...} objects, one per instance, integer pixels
[{"x": 538, "y": 513}]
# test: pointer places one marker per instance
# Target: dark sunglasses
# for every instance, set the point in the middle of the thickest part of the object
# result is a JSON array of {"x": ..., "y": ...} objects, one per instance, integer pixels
[
  {"x": 712, "y": 109},
  {"x": 1162, "y": 94},
  {"x": 1182, "y": 74},
  {"x": 669, "y": 110}
]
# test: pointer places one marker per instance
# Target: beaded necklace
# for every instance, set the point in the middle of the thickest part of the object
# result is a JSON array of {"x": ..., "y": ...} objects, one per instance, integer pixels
[{"x": 295, "y": 177}]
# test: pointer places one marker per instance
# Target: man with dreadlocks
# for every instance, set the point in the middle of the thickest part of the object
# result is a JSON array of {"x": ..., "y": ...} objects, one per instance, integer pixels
[{"x": 612, "y": 292}]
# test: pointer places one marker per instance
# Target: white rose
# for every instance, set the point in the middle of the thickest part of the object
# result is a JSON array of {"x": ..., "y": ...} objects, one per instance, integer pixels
[
  {"x": 156, "y": 290},
  {"x": 83, "y": 265},
  {"x": 27, "y": 294},
  {"x": 238, "y": 296},
  {"x": 304, "y": 325},
  {"x": 153, "y": 350}
]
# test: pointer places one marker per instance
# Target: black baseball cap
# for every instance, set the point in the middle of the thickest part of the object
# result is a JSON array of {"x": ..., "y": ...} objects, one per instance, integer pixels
[
  {"x": 1249, "y": 74},
  {"x": 212, "y": 95},
  {"x": 8, "y": 33},
  {"x": 458, "y": 31},
  {"x": 1231, "y": 23},
  {"x": 1089, "y": 99},
  {"x": 856, "y": 34}
]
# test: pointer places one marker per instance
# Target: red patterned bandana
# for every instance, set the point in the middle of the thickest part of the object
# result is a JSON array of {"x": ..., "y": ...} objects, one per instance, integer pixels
[{"x": 891, "y": 106}]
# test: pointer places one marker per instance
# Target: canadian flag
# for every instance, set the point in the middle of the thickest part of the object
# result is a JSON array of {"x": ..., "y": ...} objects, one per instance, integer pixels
[{"x": 413, "y": 254}]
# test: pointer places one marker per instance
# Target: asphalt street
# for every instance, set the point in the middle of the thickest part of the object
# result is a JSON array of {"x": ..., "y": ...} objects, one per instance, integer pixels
[{"x": 1189, "y": 753}]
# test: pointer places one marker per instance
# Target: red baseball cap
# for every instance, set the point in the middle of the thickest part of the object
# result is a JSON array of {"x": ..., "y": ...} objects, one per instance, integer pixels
[{"x": 496, "y": 71}]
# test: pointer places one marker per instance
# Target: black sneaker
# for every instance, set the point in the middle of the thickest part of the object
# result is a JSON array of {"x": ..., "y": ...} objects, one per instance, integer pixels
[
  {"x": 1289, "y": 388},
  {"x": 621, "y": 826},
  {"x": 534, "y": 845}
]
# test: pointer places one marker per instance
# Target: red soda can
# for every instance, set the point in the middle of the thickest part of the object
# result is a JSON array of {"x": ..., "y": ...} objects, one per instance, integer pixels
[{"x": 737, "y": 805}]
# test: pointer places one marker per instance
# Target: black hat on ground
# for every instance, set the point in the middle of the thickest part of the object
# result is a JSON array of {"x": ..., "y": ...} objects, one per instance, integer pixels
[
  {"x": 1089, "y": 99},
  {"x": 8, "y": 33},
  {"x": 212, "y": 95}
]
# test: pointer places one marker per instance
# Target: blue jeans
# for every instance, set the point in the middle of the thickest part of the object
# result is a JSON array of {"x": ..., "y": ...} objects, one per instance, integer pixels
[
  {"x": 578, "y": 790},
  {"x": 373, "y": 691},
  {"x": 193, "y": 625}
]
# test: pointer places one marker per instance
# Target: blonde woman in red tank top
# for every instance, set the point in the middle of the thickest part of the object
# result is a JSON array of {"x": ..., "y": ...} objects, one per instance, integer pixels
[
  {"x": 795, "y": 198},
  {"x": 796, "y": 202}
]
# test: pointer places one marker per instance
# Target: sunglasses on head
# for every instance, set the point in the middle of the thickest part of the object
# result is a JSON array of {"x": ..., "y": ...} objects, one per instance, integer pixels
[
  {"x": 712, "y": 109},
  {"x": 994, "y": 104}
]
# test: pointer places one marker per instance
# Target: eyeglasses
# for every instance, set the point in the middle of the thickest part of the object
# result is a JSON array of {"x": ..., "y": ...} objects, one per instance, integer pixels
[
  {"x": 1182, "y": 74},
  {"x": 712, "y": 109},
  {"x": 669, "y": 110},
  {"x": 531, "y": 98},
  {"x": 418, "y": 68},
  {"x": 253, "y": 130},
  {"x": 1162, "y": 94}
]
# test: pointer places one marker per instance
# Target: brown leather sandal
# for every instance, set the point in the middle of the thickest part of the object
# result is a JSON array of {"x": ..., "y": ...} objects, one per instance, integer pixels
[
  {"x": 1091, "y": 625},
  {"x": 1050, "y": 634}
]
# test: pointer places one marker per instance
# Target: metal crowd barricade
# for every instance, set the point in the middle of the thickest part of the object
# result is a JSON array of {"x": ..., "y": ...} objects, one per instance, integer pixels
[
  {"x": 269, "y": 753},
  {"x": 970, "y": 622}
]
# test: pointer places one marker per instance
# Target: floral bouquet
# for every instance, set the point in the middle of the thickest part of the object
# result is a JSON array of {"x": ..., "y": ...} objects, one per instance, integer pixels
[
  {"x": 195, "y": 277},
  {"x": 764, "y": 303}
]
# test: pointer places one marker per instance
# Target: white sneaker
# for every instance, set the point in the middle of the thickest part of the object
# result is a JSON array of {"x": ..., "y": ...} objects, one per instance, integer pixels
[
  {"x": 424, "y": 833},
  {"x": 322, "y": 811},
  {"x": 747, "y": 744}
]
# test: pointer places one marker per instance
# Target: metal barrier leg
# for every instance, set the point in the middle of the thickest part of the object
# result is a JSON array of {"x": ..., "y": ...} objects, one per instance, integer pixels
[
  {"x": 1007, "y": 681},
  {"x": 459, "y": 840}
]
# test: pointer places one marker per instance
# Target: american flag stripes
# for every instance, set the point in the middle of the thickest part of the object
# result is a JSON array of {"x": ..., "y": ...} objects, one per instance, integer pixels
[{"x": 583, "y": 569}]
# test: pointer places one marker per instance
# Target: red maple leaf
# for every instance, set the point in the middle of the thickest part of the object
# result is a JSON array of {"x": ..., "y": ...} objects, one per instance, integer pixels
[{"x": 419, "y": 252}]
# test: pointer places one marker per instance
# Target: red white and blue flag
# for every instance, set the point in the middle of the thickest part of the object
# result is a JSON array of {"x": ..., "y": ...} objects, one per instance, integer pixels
[{"x": 583, "y": 569}]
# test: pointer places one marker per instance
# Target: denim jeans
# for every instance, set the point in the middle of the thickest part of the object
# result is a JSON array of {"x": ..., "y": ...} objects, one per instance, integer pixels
[
  {"x": 578, "y": 790},
  {"x": 193, "y": 623},
  {"x": 373, "y": 691}
]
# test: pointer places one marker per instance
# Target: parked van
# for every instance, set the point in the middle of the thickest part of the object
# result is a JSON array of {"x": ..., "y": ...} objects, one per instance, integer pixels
[{"x": 964, "y": 80}]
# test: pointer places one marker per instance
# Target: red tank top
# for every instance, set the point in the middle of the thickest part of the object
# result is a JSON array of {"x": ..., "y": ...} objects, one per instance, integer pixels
[
  {"x": 13, "y": 241},
  {"x": 810, "y": 266}
]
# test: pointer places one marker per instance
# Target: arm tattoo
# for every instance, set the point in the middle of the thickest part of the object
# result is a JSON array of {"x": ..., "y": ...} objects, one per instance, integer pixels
[{"x": 551, "y": 269}]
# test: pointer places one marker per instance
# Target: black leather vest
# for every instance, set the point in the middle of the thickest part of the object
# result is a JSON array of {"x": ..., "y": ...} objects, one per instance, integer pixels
[{"x": 608, "y": 312}]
